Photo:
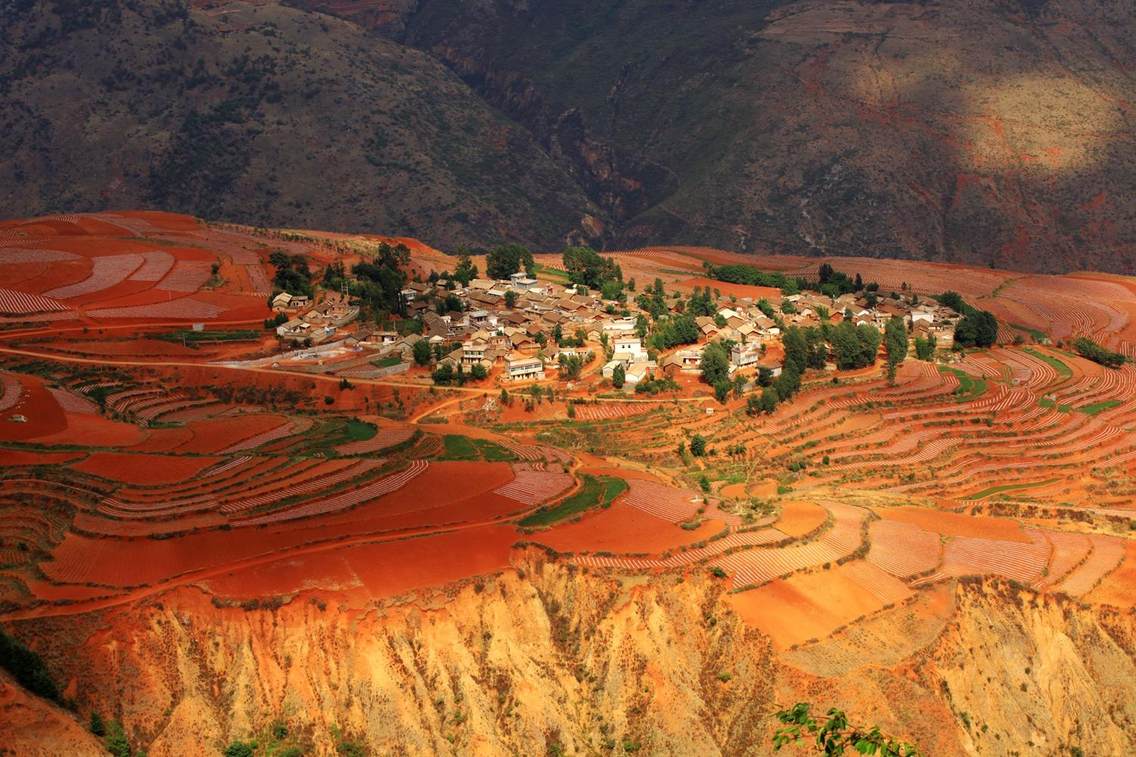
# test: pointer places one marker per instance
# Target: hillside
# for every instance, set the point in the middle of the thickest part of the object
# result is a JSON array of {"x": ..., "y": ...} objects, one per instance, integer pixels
[
  {"x": 990, "y": 132},
  {"x": 984, "y": 131},
  {"x": 267, "y": 115}
]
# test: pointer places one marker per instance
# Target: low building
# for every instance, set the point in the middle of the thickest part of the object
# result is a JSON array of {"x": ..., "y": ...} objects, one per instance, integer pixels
[
  {"x": 475, "y": 351},
  {"x": 640, "y": 371},
  {"x": 744, "y": 355},
  {"x": 524, "y": 368}
]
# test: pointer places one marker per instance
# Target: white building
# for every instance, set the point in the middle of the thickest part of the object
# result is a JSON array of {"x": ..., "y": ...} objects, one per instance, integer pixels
[{"x": 524, "y": 368}]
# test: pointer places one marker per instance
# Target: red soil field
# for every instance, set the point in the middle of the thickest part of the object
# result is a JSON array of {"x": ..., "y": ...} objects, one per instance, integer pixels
[
  {"x": 217, "y": 434},
  {"x": 38, "y": 407},
  {"x": 737, "y": 290},
  {"x": 14, "y": 457},
  {"x": 144, "y": 469},
  {"x": 799, "y": 518},
  {"x": 95, "y": 431},
  {"x": 622, "y": 529},
  {"x": 377, "y": 570},
  {"x": 1116, "y": 587},
  {"x": 812, "y": 605},
  {"x": 954, "y": 524}
]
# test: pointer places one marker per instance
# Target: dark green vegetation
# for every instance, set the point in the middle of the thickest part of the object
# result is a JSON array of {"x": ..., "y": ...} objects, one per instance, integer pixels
[
  {"x": 26, "y": 667},
  {"x": 266, "y": 115},
  {"x": 1089, "y": 349},
  {"x": 969, "y": 388},
  {"x": 379, "y": 282},
  {"x": 458, "y": 447},
  {"x": 596, "y": 491},
  {"x": 833, "y": 735},
  {"x": 976, "y": 328},
  {"x": 191, "y": 338}
]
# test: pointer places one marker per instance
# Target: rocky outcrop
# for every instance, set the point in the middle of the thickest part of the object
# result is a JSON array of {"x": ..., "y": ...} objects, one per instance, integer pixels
[{"x": 548, "y": 655}]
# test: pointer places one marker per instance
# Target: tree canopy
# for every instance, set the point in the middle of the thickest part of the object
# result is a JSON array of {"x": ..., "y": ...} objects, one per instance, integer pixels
[
  {"x": 586, "y": 266},
  {"x": 503, "y": 261}
]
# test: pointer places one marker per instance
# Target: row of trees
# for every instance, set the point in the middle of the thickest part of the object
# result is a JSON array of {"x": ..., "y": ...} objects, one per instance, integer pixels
[{"x": 1090, "y": 350}]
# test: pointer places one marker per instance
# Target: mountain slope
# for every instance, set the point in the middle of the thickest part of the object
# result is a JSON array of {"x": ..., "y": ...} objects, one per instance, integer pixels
[
  {"x": 262, "y": 114},
  {"x": 983, "y": 131}
]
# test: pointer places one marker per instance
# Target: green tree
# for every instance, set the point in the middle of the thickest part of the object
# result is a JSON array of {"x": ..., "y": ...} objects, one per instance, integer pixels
[
  {"x": 924, "y": 348},
  {"x": 26, "y": 667},
  {"x": 769, "y": 399},
  {"x": 240, "y": 749},
  {"x": 422, "y": 352},
  {"x": 510, "y": 299},
  {"x": 895, "y": 342},
  {"x": 478, "y": 372},
  {"x": 618, "y": 376},
  {"x": 586, "y": 266},
  {"x": 715, "y": 364},
  {"x": 117, "y": 744},
  {"x": 97, "y": 726},
  {"x": 833, "y": 735},
  {"x": 502, "y": 262},
  {"x": 465, "y": 271},
  {"x": 698, "y": 445}
]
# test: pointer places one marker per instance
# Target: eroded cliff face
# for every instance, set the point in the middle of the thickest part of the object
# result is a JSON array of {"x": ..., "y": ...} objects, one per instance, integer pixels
[
  {"x": 1037, "y": 673},
  {"x": 547, "y": 655}
]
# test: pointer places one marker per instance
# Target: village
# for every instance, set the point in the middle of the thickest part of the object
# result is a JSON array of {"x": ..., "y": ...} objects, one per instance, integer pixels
[{"x": 528, "y": 329}]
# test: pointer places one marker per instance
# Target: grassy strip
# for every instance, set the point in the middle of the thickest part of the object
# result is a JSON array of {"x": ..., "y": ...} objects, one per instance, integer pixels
[
  {"x": 597, "y": 491},
  {"x": 458, "y": 447},
  {"x": 969, "y": 388},
  {"x": 198, "y": 337},
  {"x": 551, "y": 273},
  {"x": 1098, "y": 407},
  {"x": 1052, "y": 405},
  {"x": 1063, "y": 370},
  {"x": 1009, "y": 487},
  {"x": 387, "y": 362},
  {"x": 1037, "y": 334}
]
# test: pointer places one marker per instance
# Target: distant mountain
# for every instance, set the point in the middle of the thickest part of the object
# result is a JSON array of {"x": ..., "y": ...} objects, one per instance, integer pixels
[
  {"x": 266, "y": 115},
  {"x": 993, "y": 132}
]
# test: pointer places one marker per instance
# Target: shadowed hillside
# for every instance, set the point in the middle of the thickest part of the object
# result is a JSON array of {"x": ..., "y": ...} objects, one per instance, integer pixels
[
  {"x": 996, "y": 132},
  {"x": 263, "y": 114},
  {"x": 980, "y": 131}
]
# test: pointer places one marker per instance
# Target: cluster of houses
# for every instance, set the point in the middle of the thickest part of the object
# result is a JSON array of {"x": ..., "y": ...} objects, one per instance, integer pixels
[
  {"x": 313, "y": 325},
  {"x": 509, "y": 324}
]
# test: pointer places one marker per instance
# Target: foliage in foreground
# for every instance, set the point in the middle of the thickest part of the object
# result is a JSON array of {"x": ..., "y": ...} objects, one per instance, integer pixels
[
  {"x": 26, "y": 667},
  {"x": 834, "y": 735}
]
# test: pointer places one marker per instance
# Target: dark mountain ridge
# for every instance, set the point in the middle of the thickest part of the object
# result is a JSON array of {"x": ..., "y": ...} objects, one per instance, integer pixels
[{"x": 984, "y": 131}]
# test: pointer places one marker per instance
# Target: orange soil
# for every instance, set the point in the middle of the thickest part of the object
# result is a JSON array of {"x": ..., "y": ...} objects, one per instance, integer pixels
[
  {"x": 622, "y": 529},
  {"x": 1116, "y": 587},
  {"x": 377, "y": 570},
  {"x": 798, "y": 518},
  {"x": 216, "y": 434},
  {"x": 737, "y": 290},
  {"x": 144, "y": 469},
  {"x": 954, "y": 524},
  {"x": 805, "y": 606},
  {"x": 130, "y": 348},
  {"x": 429, "y": 502},
  {"x": 95, "y": 431}
]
